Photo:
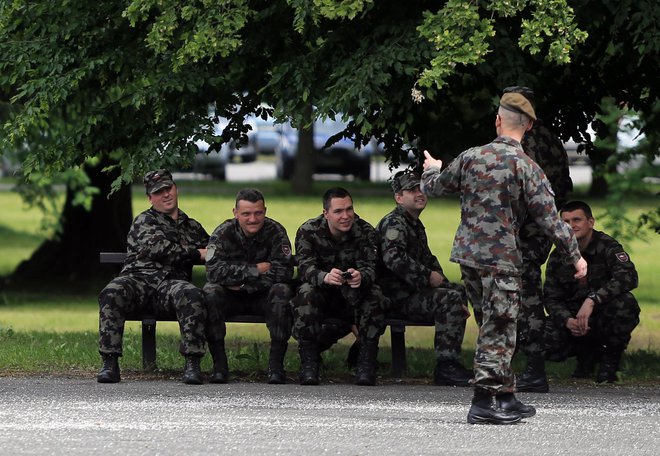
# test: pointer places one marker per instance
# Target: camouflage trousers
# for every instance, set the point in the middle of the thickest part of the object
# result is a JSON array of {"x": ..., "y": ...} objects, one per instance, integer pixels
[
  {"x": 272, "y": 304},
  {"x": 497, "y": 297},
  {"x": 531, "y": 321},
  {"x": 363, "y": 307},
  {"x": 611, "y": 325},
  {"x": 138, "y": 294},
  {"x": 446, "y": 305}
]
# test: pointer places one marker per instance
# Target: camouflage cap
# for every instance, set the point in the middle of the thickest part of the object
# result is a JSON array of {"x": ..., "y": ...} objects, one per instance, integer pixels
[
  {"x": 405, "y": 180},
  {"x": 517, "y": 103},
  {"x": 157, "y": 180}
]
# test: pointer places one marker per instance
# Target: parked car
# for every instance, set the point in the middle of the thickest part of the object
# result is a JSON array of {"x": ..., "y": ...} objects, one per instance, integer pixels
[
  {"x": 246, "y": 153},
  {"x": 9, "y": 166},
  {"x": 340, "y": 158},
  {"x": 213, "y": 163},
  {"x": 266, "y": 135},
  {"x": 575, "y": 158}
]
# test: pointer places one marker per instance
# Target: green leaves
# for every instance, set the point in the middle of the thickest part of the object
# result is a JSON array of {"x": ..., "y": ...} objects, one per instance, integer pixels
[
  {"x": 190, "y": 31},
  {"x": 462, "y": 33},
  {"x": 460, "y": 37},
  {"x": 552, "y": 20}
]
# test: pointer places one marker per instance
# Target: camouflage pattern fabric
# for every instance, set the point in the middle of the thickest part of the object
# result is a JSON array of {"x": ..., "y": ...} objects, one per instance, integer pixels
[
  {"x": 155, "y": 279},
  {"x": 405, "y": 263},
  {"x": 164, "y": 246},
  {"x": 499, "y": 187},
  {"x": 498, "y": 300},
  {"x": 318, "y": 252},
  {"x": 231, "y": 262},
  {"x": 611, "y": 275},
  {"x": 547, "y": 151},
  {"x": 272, "y": 304}
]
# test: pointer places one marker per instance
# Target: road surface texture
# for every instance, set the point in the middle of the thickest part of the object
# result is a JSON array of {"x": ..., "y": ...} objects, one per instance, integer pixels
[{"x": 74, "y": 416}]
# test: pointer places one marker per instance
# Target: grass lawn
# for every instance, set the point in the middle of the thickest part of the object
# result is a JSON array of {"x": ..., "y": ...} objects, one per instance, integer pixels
[{"x": 49, "y": 317}]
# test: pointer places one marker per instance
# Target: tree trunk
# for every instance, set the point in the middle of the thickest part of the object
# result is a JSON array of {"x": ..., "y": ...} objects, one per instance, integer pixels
[
  {"x": 72, "y": 260},
  {"x": 301, "y": 180}
]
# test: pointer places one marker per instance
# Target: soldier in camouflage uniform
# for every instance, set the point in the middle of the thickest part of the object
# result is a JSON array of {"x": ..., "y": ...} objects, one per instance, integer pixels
[
  {"x": 547, "y": 151},
  {"x": 413, "y": 280},
  {"x": 163, "y": 245},
  {"x": 499, "y": 185},
  {"x": 248, "y": 270},
  {"x": 337, "y": 255},
  {"x": 593, "y": 317}
]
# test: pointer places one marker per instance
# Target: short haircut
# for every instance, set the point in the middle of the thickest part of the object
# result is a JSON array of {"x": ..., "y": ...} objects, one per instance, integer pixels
[
  {"x": 512, "y": 119},
  {"x": 575, "y": 205},
  {"x": 334, "y": 192},
  {"x": 249, "y": 194}
]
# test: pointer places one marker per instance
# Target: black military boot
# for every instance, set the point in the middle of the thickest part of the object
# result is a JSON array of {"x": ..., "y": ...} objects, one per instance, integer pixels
[
  {"x": 353, "y": 354},
  {"x": 609, "y": 364},
  {"x": 276, "y": 375},
  {"x": 586, "y": 363},
  {"x": 451, "y": 373},
  {"x": 367, "y": 363},
  {"x": 309, "y": 362},
  {"x": 484, "y": 411},
  {"x": 109, "y": 373},
  {"x": 533, "y": 379},
  {"x": 192, "y": 374},
  {"x": 509, "y": 403},
  {"x": 220, "y": 372}
]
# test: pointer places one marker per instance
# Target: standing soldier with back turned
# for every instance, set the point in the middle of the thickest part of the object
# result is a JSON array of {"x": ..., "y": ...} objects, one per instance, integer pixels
[{"x": 498, "y": 185}]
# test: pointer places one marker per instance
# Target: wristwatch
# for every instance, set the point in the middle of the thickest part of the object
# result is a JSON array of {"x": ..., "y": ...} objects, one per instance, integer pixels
[{"x": 594, "y": 297}]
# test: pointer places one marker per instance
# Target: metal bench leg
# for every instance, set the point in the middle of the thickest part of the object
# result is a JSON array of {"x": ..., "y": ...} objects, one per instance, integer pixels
[
  {"x": 398, "y": 334},
  {"x": 149, "y": 344}
]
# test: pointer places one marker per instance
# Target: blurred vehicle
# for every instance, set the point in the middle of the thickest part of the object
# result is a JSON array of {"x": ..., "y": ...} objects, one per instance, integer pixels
[
  {"x": 8, "y": 166},
  {"x": 340, "y": 158},
  {"x": 213, "y": 163},
  {"x": 575, "y": 158},
  {"x": 266, "y": 135},
  {"x": 246, "y": 153}
]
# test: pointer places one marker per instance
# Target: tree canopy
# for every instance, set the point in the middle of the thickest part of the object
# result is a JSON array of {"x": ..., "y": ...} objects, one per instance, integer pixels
[{"x": 132, "y": 80}]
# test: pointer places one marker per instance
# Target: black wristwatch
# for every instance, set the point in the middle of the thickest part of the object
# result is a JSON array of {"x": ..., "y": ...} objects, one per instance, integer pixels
[{"x": 594, "y": 297}]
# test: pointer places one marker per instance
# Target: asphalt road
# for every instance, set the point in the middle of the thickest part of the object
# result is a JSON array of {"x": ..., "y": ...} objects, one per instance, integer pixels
[{"x": 145, "y": 417}]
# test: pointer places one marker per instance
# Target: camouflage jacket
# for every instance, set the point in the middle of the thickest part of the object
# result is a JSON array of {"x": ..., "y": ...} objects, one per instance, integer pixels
[
  {"x": 610, "y": 274},
  {"x": 232, "y": 257},
  {"x": 318, "y": 251},
  {"x": 405, "y": 260},
  {"x": 163, "y": 247},
  {"x": 547, "y": 151},
  {"x": 499, "y": 185}
]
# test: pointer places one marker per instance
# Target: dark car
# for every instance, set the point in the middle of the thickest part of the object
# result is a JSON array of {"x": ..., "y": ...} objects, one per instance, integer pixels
[{"x": 341, "y": 157}]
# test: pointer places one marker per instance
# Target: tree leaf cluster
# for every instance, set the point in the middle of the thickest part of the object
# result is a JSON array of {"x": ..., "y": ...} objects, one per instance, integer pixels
[{"x": 139, "y": 81}]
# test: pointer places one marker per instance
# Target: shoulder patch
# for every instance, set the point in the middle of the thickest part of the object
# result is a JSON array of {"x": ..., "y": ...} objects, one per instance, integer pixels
[
  {"x": 286, "y": 249},
  {"x": 209, "y": 253},
  {"x": 391, "y": 234},
  {"x": 622, "y": 257},
  {"x": 548, "y": 187}
]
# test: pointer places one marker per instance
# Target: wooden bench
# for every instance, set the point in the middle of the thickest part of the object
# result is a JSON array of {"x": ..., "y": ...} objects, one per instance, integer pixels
[{"x": 397, "y": 328}]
